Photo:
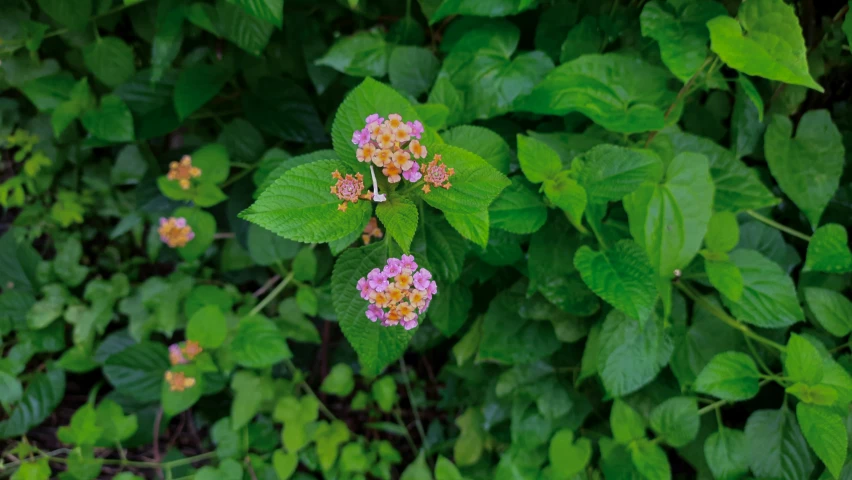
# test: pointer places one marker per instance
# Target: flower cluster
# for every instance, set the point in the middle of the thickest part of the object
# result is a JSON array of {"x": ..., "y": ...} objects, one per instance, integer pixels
[
  {"x": 175, "y": 232},
  {"x": 349, "y": 189},
  {"x": 436, "y": 173},
  {"x": 371, "y": 231},
  {"x": 392, "y": 145},
  {"x": 395, "y": 291},
  {"x": 178, "y": 381},
  {"x": 183, "y": 172}
]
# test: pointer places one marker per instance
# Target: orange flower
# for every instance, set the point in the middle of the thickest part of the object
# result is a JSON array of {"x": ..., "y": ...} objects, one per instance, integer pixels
[
  {"x": 178, "y": 381},
  {"x": 183, "y": 172}
]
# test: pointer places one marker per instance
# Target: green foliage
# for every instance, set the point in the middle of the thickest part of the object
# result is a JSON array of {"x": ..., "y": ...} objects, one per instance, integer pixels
[{"x": 644, "y": 226}]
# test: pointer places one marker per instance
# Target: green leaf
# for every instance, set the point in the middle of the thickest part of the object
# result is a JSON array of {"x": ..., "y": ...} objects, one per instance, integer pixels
[
  {"x": 828, "y": 250},
  {"x": 630, "y": 354},
  {"x": 40, "y": 398},
  {"x": 469, "y": 446},
  {"x": 34, "y": 470},
  {"x": 74, "y": 16},
  {"x": 284, "y": 463},
  {"x": 473, "y": 226},
  {"x": 725, "y": 277},
  {"x": 417, "y": 470},
  {"x": 384, "y": 392},
  {"x": 774, "y": 50},
  {"x": 299, "y": 205},
  {"x": 474, "y": 186},
  {"x": 267, "y": 248},
  {"x": 802, "y": 361},
  {"x": 825, "y": 432},
  {"x": 676, "y": 420},
  {"x": 727, "y": 454},
  {"x": 499, "y": 8},
  {"x": 681, "y": 33},
  {"x": 203, "y": 225},
  {"x": 777, "y": 447},
  {"x": 110, "y": 60},
  {"x": 509, "y": 338},
  {"x": 723, "y": 232},
  {"x": 305, "y": 265},
  {"x": 138, "y": 370},
  {"x": 49, "y": 308},
  {"x": 445, "y": 470},
  {"x": 208, "y": 327},
  {"x": 400, "y": 218},
  {"x": 627, "y": 424},
  {"x": 566, "y": 194},
  {"x": 116, "y": 426},
  {"x": 412, "y": 69},
  {"x": 483, "y": 142},
  {"x": 518, "y": 209},
  {"x": 112, "y": 122},
  {"x": 622, "y": 276},
  {"x": 448, "y": 311},
  {"x": 377, "y": 346},
  {"x": 364, "y": 54},
  {"x": 248, "y": 396},
  {"x": 620, "y": 93},
  {"x": 769, "y": 297},
  {"x": 832, "y": 310},
  {"x": 584, "y": 38},
  {"x": 538, "y": 161},
  {"x": 730, "y": 376},
  {"x": 816, "y": 394},
  {"x": 258, "y": 343},
  {"x": 271, "y": 11},
  {"x": 10, "y": 389},
  {"x": 212, "y": 159},
  {"x": 650, "y": 460},
  {"x": 281, "y": 108},
  {"x": 811, "y": 184},
  {"x": 177, "y": 401},
  {"x": 609, "y": 172},
  {"x": 339, "y": 381},
  {"x": 246, "y": 31},
  {"x": 567, "y": 457},
  {"x": 80, "y": 100},
  {"x": 738, "y": 187},
  {"x": 439, "y": 248},
  {"x": 197, "y": 84},
  {"x": 83, "y": 429},
  {"x": 669, "y": 219}
]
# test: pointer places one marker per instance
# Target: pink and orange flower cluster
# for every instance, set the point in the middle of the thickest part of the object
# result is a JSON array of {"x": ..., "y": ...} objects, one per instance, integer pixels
[
  {"x": 397, "y": 293},
  {"x": 178, "y": 381},
  {"x": 175, "y": 232}
]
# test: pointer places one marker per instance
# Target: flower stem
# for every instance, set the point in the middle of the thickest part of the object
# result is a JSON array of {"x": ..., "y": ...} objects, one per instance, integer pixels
[
  {"x": 274, "y": 293},
  {"x": 774, "y": 224},
  {"x": 408, "y": 390}
]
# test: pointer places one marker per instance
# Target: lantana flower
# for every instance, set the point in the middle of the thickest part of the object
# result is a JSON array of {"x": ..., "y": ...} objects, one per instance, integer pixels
[
  {"x": 183, "y": 172},
  {"x": 180, "y": 355},
  {"x": 175, "y": 232},
  {"x": 349, "y": 189},
  {"x": 437, "y": 174},
  {"x": 178, "y": 381},
  {"x": 398, "y": 293}
]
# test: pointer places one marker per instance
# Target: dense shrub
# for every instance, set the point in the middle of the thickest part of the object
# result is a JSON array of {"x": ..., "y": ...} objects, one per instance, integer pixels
[{"x": 482, "y": 239}]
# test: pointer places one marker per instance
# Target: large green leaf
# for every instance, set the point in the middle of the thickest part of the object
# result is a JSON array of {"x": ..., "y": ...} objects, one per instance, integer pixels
[
  {"x": 828, "y": 250},
  {"x": 439, "y": 248},
  {"x": 483, "y": 142},
  {"x": 676, "y": 420},
  {"x": 448, "y": 312},
  {"x": 246, "y": 31},
  {"x": 738, "y": 187},
  {"x": 681, "y": 33},
  {"x": 727, "y": 454},
  {"x": 299, "y": 205},
  {"x": 258, "y": 343},
  {"x": 364, "y": 54},
  {"x": 538, "y": 161},
  {"x": 518, "y": 209},
  {"x": 474, "y": 186},
  {"x": 622, "y": 276},
  {"x": 73, "y": 15},
  {"x": 802, "y": 361},
  {"x": 765, "y": 40},
  {"x": 473, "y": 226},
  {"x": 769, "y": 297},
  {"x": 138, "y": 370},
  {"x": 669, "y": 219},
  {"x": 110, "y": 60},
  {"x": 111, "y": 122},
  {"x": 412, "y": 69},
  {"x": 400, "y": 218},
  {"x": 270, "y": 10},
  {"x": 567, "y": 457},
  {"x": 281, "y": 107},
  {"x": 42, "y": 395},
  {"x": 631, "y": 354},
  {"x": 498, "y": 8},
  {"x": 197, "y": 84},
  {"x": 810, "y": 184},
  {"x": 729, "y": 376},
  {"x": 831, "y": 309},
  {"x": 825, "y": 432},
  {"x": 509, "y": 338},
  {"x": 620, "y": 93},
  {"x": 609, "y": 172},
  {"x": 377, "y": 346}
]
